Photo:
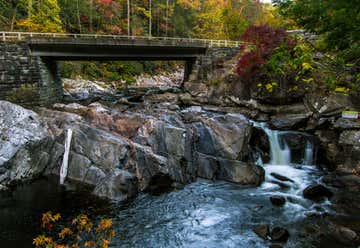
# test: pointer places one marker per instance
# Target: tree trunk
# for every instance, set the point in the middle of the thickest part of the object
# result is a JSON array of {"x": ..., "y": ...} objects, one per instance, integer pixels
[
  {"x": 13, "y": 19},
  {"x": 91, "y": 16},
  {"x": 167, "y": 18},
  {"x": 78, "y": 15},
  {"x": 29, "y": 8},
  {"x": 128, "y": 17},
  {"x": 150, "y": 17}
]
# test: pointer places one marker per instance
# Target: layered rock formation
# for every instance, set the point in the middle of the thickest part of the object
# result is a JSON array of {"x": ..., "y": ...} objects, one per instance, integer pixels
[{"x": 122, "y": 153}]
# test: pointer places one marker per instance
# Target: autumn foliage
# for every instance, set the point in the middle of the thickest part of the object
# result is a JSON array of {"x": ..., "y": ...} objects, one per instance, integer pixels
[
  {"x": 81, "y": 233},
  {"x": 262, "y": 40}
]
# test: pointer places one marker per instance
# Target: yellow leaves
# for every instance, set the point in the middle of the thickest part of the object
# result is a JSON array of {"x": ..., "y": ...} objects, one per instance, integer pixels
[
  {"x": 105, "y": 243},
  {"x": 41, "y": 241},
  {"x": 104, "y": 225},
  {"x": 61, "y": 246},
  {"x": 65, "y": 232},
  {"x": 269, "y": 87},
  {"x": 190, "y": 4},
  {"x": 259, "y": 85},
  {"x": 308, "y": 80},
  {"x": 81, "y": 219},
  {"x": 307, "y": 66},
  {"x": 343, "y": 90},
  {"x": 48, "y": 218},
  {"x": 89, "y": 244},
  {"x": 82, "y": 234}
]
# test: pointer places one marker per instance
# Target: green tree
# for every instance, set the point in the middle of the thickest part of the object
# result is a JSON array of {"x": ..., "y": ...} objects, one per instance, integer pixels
[{"x": 336, "y": 20}]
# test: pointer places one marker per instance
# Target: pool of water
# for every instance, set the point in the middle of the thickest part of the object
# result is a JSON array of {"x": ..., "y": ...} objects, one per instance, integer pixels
[{"x": 203, "y": 214}]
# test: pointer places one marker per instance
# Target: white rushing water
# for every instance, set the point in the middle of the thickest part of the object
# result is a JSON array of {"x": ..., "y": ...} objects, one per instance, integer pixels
[
  {"x": 298, "y": 168},
  {"x": 280, "y": 152}
]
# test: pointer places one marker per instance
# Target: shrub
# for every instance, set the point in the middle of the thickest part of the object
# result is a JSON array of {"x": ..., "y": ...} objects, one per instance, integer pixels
[
  {"x": 25, "y": 94},
  {"x": 263, "y": 40},
  {"x": 81, "y": 233}
]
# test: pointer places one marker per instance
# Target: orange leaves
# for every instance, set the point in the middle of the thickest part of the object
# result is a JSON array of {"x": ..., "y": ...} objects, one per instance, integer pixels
[
  {"x": 82, "y": 233},
  {"x": 48, "y": 219},
  {"x": 65, "y": 232},
  {"x": 89, "y": 244},
  {"x": 104, "y": 225},
  {"x": 42, "y": 241}
]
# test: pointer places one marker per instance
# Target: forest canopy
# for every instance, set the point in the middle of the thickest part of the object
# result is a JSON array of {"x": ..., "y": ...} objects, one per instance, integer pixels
[{"x": 218, "y": 19}]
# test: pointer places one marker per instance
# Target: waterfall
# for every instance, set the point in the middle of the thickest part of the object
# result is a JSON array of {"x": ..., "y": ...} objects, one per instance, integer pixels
[
  {"x": 280, "y": 152},
  {"x": 309, "y": 153}
]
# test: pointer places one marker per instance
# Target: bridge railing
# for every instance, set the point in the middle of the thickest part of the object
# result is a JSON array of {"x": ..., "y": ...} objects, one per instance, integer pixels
[{"x": 23, "y": 36}]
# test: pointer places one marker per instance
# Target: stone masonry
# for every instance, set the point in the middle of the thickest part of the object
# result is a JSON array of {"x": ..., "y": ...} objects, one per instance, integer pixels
[
  {"x": 210, "y": 62},
  {"x": 27, "y": 79}
]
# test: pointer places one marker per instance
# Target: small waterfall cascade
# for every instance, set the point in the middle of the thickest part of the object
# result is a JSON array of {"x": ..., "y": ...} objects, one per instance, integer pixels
[
  {"x": 309, "y": 153},
  {"x": 280, "y": 152}
]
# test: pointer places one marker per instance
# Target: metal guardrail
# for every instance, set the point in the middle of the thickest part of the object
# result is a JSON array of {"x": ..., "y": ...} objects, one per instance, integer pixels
[{"x": 22, "y": 36}]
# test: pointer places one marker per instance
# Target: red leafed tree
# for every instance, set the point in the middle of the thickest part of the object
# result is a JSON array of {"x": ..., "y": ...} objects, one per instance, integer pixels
[{"x": 262, "y": 40}]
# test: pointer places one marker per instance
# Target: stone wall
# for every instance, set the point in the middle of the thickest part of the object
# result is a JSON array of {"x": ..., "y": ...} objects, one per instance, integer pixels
[
  {"x": 26, "y": 79},
  {"x": 210, "y": 62}
]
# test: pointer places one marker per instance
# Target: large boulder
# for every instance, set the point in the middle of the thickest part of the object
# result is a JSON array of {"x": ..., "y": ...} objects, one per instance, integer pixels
[
  {"x": 328, "y": 105},
  {"x": 279, "y": 234},
  {"x": 235, "y": 171},
  {"x": 316, "y": 192},
  {"x": 240, "y": 172},
  {"x": 146, "y": 165},
  {"x": 225, "y": 136},
  {"x": 350, "y": 143},
  {"x": 25, "y": 144}
]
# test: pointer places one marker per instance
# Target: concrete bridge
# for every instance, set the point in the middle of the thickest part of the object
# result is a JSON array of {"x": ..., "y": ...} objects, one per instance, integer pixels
[{"x": 28, "y": 61}]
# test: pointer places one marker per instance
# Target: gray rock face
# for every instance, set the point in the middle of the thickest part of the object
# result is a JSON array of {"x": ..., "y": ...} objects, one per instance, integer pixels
[
  {"x": 326, "y": 106},
  {"x": 120, "y": 185},
  {"x": 350, "y": 142},
  {"x": 288, "y": 122},
  {"x": 344, "y": 124},
  {"x": 18, "y": 127},
  {"x": 25, "y": 143},
  {"x": 224, "y": 136},
  {"x": 150, "y": 152},
  {"x": 350, "y": 138}
]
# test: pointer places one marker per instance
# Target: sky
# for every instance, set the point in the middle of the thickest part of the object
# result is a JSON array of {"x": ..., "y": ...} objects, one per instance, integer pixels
[{"x": 266, "y": 1}]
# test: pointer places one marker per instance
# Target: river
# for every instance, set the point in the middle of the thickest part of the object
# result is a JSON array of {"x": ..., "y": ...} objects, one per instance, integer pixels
[{"x": 203, "y": 214}]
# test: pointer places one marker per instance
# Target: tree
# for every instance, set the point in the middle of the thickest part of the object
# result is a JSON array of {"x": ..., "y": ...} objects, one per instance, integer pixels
[
  {"x": 337, "y": 21},
  {"x": 43, "y": 16}
]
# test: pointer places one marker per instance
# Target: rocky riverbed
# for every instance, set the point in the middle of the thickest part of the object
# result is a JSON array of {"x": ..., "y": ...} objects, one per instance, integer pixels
[{"x": 162, "y": 138}]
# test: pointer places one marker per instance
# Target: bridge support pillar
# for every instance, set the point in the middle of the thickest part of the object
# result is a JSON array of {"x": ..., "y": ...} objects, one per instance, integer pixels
[
  {"x": 188, "y": 69},
  {"x": 26, "y": 79}
]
